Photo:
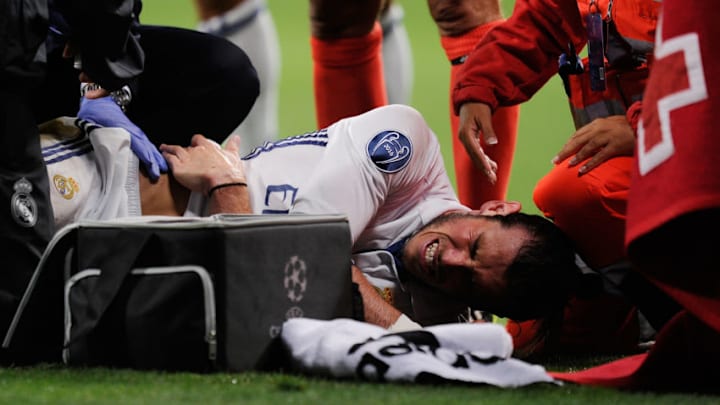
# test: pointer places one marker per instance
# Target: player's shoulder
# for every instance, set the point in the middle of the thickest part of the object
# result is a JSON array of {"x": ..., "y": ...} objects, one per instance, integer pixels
[
  {"x": 398, "y": 113},
  {"x": 395, "y": 133},
  {"x": 61, "y": 128},
  {"x": 401, "y": 118},
  {"x": 67, "y": 128}
]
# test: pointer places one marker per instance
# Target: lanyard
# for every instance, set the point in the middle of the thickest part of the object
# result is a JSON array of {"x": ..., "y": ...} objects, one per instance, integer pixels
[
  {"x": 608, "y": 15},
  {"x": 596, "y": 45}
]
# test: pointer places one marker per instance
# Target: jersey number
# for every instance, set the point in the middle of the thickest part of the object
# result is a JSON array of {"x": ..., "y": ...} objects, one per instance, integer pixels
[{"x": 278, "y": 198}]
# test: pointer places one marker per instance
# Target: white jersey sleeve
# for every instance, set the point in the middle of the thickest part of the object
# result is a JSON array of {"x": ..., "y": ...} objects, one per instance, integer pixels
[
  {"x": 384, "y": 170},
  {"x": 93, "y": 174}
]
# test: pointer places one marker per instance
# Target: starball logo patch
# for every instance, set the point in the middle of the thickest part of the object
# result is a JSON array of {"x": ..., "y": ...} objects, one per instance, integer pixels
[{"x": 390, "y": 151}]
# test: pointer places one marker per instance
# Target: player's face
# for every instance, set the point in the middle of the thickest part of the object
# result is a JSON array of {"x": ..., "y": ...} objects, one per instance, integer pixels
[{"x": 464, "y": 255}]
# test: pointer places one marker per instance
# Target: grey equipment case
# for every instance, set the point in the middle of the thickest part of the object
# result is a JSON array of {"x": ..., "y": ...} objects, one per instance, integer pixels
[{"x": 190, "y": 294}]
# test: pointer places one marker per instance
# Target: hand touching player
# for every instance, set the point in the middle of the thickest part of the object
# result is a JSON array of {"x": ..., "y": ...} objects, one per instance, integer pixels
[
  {"x": 205, "y": 164},
  {"x": 475, "y": 130}
]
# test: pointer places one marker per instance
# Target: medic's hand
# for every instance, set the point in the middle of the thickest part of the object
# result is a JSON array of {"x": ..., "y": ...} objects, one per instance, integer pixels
[
  {"x": 104, "y": 112},
  {"x": 204, "y": 164},
  {"x": 600, "y": 140},
  {"x": 476, "y": 120}
]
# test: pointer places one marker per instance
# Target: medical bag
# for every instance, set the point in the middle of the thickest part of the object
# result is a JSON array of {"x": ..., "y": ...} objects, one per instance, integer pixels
[{"x": 183, "y": 294}]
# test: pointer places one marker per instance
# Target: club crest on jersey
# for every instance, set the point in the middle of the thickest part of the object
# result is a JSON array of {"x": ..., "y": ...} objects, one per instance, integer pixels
[
  {"x": 66, "y": 186},
  {"x": 24, "y": 208},
  {"x": 390, "y": 151}
]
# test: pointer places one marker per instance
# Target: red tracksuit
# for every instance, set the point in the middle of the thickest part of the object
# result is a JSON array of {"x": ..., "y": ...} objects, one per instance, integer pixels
[
  {"x": 674, "y": 207},
  {"x": 517, "y": 58}
]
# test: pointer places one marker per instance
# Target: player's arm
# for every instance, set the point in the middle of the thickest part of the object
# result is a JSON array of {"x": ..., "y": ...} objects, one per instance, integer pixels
[
  {"x": 376, "y": 310},
  {"x": 215, "y": 172},
  {"x": 230, "y": 199}
]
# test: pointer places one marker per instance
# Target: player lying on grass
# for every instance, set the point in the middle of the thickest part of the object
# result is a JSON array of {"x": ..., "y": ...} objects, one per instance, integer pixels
[{"x": 429, "y": 256}]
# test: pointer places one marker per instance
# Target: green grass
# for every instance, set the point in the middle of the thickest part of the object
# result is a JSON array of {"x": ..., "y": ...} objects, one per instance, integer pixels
[
  {"x": 57, "y": 385},
  {"x": 545, "y": 124}
]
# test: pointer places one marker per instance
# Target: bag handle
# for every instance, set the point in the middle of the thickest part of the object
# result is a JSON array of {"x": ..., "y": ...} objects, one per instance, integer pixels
[{"x": 116, "y": 267}]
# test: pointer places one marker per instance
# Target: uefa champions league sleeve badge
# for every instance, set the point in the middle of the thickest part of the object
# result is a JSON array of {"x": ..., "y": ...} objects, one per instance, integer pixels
[
  {"x": 22, "y": 204},
  {"x": 390, "y": 151}
]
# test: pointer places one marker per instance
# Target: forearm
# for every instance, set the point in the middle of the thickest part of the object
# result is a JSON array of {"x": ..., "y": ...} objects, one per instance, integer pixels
[
  {"x": 232, "y": 199},
  {"x": 377, "y": 311}
]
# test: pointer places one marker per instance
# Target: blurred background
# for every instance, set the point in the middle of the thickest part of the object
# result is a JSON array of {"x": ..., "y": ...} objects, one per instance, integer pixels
[{"x": 545, "y": 121}]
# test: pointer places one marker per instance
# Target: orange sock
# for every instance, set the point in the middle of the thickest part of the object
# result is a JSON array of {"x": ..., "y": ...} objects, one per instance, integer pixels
[
  {"x": 473, "y": 189},
  {"x": 349, "y": 69}
]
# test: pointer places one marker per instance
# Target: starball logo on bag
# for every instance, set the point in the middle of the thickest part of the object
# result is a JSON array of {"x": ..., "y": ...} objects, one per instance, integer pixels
[
  {"x": 295, "y": 279},
  {"x": 295, "y": 284}
]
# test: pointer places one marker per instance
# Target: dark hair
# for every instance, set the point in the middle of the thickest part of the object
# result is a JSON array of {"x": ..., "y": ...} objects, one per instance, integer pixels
[
  {"x": 543, "y": 276},
  {"x": 541, "y": 279}
]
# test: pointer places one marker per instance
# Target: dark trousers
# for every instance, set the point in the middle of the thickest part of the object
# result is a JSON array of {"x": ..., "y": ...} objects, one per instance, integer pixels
[
  {"x": 26, "y": 217},
  {"x": 192, "y": 83}
]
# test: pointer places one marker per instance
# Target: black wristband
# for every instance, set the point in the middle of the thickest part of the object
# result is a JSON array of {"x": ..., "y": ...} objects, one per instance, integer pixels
[{"x": 237, "y": 184}]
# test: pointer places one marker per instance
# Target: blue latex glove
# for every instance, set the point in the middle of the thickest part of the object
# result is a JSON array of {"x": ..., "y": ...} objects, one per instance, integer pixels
[{"x": 104, "y": 112}]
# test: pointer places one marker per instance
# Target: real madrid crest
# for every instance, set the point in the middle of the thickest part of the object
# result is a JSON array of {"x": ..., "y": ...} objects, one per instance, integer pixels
[
  {"x": 22, "y": 204},
  {"x": 66, "y": 186}
]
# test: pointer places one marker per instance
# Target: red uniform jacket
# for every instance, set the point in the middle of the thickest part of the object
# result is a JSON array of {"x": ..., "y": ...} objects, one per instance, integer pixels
[
  {"x": 515, "y": 59},
  {"x": 678, "y": 145}
]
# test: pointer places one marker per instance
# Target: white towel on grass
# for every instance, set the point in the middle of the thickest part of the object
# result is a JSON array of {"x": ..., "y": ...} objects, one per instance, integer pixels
[{"x": 464, "y": 352}]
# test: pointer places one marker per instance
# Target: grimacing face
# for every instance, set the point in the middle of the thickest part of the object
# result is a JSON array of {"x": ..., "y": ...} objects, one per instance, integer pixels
[{"x": 464, "y": 255}]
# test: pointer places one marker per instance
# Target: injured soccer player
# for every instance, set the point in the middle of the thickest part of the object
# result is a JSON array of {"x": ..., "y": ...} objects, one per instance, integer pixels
[{"x": 429, "y": 257}]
